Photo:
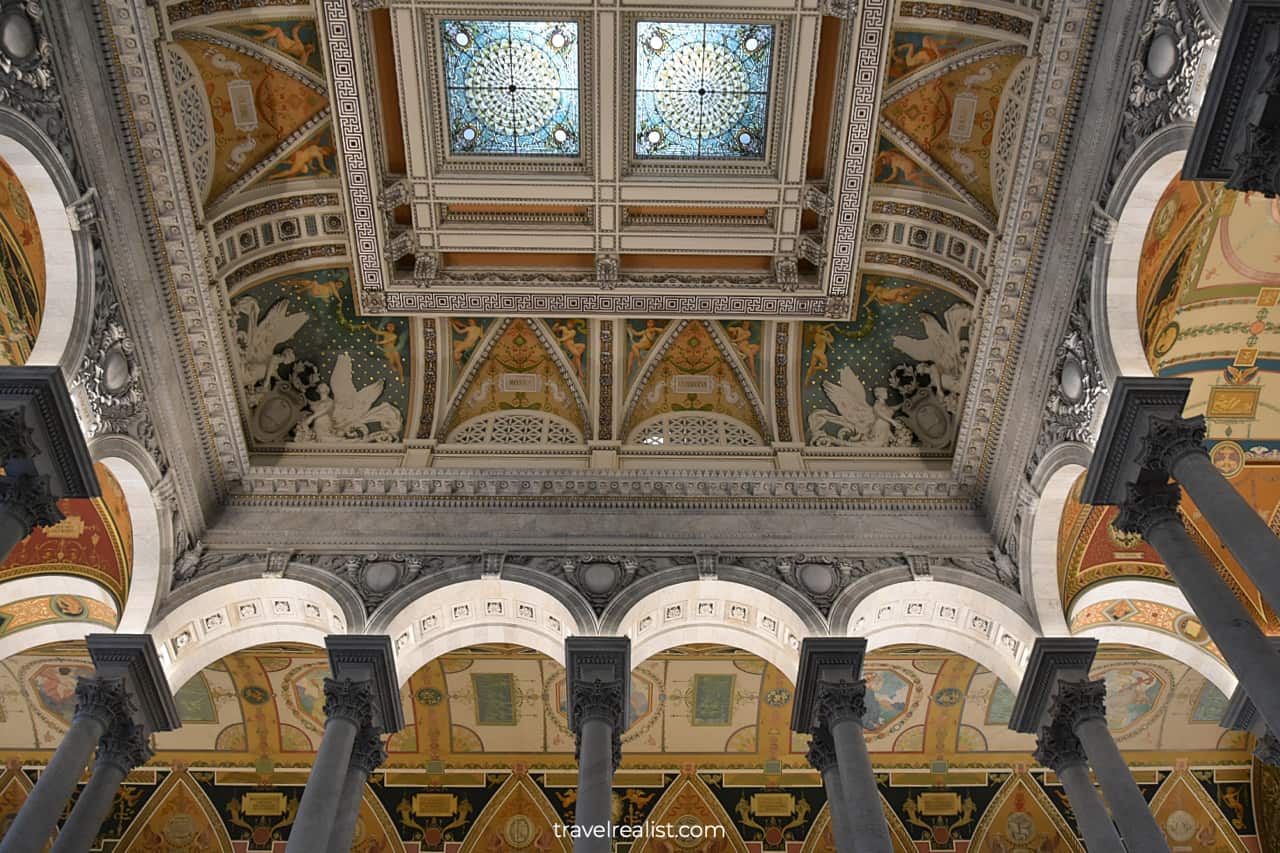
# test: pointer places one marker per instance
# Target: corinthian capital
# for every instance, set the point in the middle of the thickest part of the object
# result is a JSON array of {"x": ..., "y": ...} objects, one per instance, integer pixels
[
  {"x": 28, "y": 499},
  {"x": 124, "y": 746},
  {"x": 1149, "y": 502},
  {"x": 102, "y": 699},
  {"x": 1170, "y": 439},
  {"x": 598, "y": 700},
  {"x": 1268, "y": 749},
  {"x": 840, "y": 701},
  {"x": 368, "y": 752},
  {"x": 345, "y": 699},
  {"x": 15, "y": 436},
  {"x": 1078, "y": 701},
  {"x": 1058, "y": 748},
  {"x": 822, "y": 749}
]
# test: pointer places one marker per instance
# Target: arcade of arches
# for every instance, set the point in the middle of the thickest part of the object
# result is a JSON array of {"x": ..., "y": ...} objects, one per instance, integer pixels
[{"x": 437, "y": 347}]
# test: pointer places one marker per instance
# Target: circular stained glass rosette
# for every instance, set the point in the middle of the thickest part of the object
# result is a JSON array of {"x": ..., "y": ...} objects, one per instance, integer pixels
[
  {"x": 512, "y": 87},
  {"x": 702, "y": 89}
]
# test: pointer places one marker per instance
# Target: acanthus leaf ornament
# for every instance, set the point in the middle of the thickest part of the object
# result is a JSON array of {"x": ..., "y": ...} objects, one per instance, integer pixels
[
  {"x": 1058, "y": 748},
  {"x": 346, "y": 699}
]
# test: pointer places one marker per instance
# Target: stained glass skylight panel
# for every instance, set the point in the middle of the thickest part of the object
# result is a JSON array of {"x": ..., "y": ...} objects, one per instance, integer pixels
[
  {"x": 702, "y": 89},
  {"x": 512, "y": 87}
]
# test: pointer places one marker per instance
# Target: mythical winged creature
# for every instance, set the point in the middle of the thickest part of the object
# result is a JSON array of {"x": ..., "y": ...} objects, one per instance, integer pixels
[
  {"x": 261, "y": 337},
  {"x": 344, "y": 413},
  {"x": 941, "y": 347},
  {"x": 857, "y": 422}
]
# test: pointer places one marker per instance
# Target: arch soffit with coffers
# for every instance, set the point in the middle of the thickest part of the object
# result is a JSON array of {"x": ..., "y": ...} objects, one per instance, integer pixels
[{"x": 950, "y": 616}]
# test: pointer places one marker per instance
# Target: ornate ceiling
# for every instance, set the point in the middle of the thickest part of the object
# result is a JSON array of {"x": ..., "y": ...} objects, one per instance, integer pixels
[{"x": 814, "y": 298}]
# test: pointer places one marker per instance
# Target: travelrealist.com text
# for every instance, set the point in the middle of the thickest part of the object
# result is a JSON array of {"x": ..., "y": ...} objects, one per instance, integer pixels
[{"x": 683, "y": 832}]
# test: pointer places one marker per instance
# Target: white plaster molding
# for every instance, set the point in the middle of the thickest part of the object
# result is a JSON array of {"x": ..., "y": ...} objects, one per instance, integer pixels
[
  {"x": 1121, "y": 285},
  {"x": 715, "y": 611},
  {"x": 239, "y": 616},
  {"x": 73, "y": 630},
  {"x": 1044, "y": 591},
  {"x": 488, "y": 610},
  {"x": 145, "y": 572},
  {"x": 949, "y": 616},
  {"x": 1168, "y": 645},
  {"x": 62, "y": 276},
  {"x": 1136, "y": 589}
]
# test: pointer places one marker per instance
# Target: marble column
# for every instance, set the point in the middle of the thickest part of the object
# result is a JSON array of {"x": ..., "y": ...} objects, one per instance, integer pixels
[
  {"x": 1151, "y": 508},
  {"x": 121, "y": 749},
  {"x": 100, "y": 704},
  {"x": 1061, "y": 751},
  {"x": 346, "y": 709},
  {"x": 822, "y": 756},
  {"x": 26, "y": 503},
  {"x": 599, "y": 675},
  {"x": 366, "y": 756},
  {"x": 1081, "y": 705},
  {"x": 841, "y": 707},
  {"x": 1176, "y": 445}
]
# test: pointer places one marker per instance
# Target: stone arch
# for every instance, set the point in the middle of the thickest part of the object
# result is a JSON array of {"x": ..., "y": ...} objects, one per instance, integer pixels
[
  {"x": 137, "y": 475},
  {"x": 36, "y": 586},
  {"x": 1184, "y": 651},
  {"x": 711, "y": 610},
  {"x": 239, "y": 615},
  {"x": 1114, "y": 295},
  {"x": 470, "y": 612},
  {"x": 949, "y": 616},
  {"x": 1052, "y": 482},
  {"x": 68, "y": 253}
]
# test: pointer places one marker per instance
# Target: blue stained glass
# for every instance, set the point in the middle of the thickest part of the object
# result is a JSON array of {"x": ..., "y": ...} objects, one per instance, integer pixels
[
  {"x": 512, "y": 87},
  {"x": 702, "y": 89}
]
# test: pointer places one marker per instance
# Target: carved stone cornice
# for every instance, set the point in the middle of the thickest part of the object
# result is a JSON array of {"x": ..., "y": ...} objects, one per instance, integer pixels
[
  {"x": 346, "y": 699},
  {"x": 1077, "y": 702},
  {"x": 841, "y": 702},
  {"x": 1170, "y": 439},
  {"x": 822, "y": 749},
  {"x": 1058, "y": 748},
  {"x": 368, "y": 752},
  {"x": 124, "y": 746},
  {"x": 1149, "y": 502},
  {"x": 105, "y": 700},
  {"x": 28, "y": 498}
]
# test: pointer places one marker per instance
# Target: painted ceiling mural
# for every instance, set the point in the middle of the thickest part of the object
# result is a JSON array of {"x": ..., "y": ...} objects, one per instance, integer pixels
[
  {"x": 22, "y": 272},
  {"x": 94, "y": 541},
  {"x": 1091, "y": 550},
  {"x": 486, "y": 761},
  {"x": 1208, "y": 280},
  {"x": 249, "y": 91}
]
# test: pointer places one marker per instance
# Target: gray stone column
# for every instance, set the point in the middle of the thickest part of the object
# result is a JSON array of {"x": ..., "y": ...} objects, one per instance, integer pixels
[
  {"x": 822, "y": 756},
  {"x": 366, "y": 756},
  {"x": 599, "y": 682},
  {"x": 346, "y": 709},
  {"x": 830, "y": 694},
  {"x": 1176, "y": 445},
  {"x": 1061, "y": 751},
  {"x": 841, "y": 707},
  {"x": 1081, "y": 705},
  {"x": 1151, "y": 508},
  {"x": 121, "y": 749},
  {"x": 100, "y": 704}
]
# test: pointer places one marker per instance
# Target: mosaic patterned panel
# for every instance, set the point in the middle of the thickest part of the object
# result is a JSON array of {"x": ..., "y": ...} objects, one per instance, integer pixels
[
  {"x": 512, "y": 87},
  {"x": 702, "y": 90}
]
